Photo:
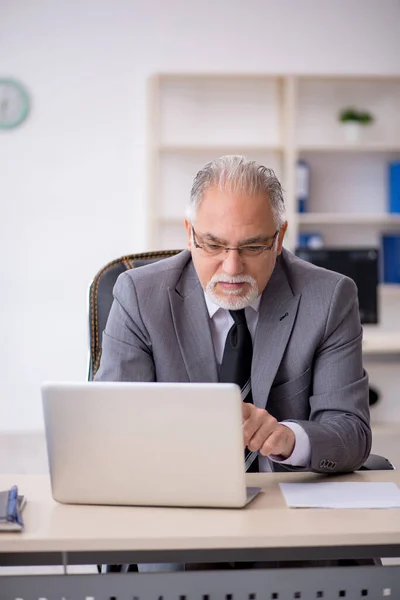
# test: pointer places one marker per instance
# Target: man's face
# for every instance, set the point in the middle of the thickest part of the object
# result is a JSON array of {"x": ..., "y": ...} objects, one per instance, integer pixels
[{"x": 232, "y": 219}]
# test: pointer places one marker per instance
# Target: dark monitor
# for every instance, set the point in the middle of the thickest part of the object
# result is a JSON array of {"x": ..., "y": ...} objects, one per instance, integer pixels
[{"x": 360, "y": 264}]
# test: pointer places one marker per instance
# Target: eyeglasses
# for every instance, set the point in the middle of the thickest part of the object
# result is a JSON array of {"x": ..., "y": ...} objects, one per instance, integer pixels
[{"x": 210, "y": 249}]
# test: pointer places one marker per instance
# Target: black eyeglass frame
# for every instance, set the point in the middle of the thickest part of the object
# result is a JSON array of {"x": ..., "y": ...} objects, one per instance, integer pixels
[{"x": 255, "y": 249}]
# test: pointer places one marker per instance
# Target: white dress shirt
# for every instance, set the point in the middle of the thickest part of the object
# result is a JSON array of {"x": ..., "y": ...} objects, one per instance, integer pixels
[{"x": 220, "y": 323}]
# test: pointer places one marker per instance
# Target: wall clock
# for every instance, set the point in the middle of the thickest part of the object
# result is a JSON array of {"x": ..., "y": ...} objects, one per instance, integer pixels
[{"x": 14, "y": 103}]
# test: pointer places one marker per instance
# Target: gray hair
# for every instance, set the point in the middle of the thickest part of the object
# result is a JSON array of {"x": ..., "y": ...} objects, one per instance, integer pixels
[{"x": 235, "y": 173}]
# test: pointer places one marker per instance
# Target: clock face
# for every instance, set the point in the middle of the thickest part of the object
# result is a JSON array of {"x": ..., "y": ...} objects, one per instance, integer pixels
[{"x": 14, "y": 103}]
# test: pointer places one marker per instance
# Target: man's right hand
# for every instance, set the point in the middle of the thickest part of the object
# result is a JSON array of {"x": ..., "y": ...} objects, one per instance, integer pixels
[{"x": 263, "y": 433}]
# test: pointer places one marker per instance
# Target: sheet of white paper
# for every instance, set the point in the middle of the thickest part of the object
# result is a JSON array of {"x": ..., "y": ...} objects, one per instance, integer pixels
[{"x": 349, "y": 494}]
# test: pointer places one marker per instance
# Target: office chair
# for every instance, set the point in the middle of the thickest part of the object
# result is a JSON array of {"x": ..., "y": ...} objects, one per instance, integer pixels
[{"x": 101, "y": 298}]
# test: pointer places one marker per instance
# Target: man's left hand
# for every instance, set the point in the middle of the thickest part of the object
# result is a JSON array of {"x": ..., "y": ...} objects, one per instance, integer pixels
[{"x": 263, "y": 433}]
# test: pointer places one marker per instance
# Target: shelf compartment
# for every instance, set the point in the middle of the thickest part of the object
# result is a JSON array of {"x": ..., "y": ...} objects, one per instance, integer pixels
[
  {"x": 321, "y": 100},
  {"x": 177, "y": 171},
  {"x": 224, "y": 111}
]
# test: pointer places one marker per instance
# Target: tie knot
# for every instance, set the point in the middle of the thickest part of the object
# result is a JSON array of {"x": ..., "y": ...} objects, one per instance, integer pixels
[{"x": 239, "y": 317}]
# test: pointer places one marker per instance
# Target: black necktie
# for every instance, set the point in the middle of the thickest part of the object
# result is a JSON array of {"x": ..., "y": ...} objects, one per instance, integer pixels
[{"x": 236, "y": 368}]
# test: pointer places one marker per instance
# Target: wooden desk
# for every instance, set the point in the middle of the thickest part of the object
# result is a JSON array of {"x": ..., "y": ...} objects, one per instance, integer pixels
[{"x": 265, "y": 530}]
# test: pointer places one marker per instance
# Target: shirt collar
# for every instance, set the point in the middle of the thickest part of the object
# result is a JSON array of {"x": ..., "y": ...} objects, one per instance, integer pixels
[{"x": 213, "y": 308}]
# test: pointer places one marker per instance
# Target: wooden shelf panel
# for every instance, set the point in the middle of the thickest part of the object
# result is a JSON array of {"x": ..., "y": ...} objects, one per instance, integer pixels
[
  {"x": 321, "y": 219},
  {"x": 218, "y": 76},
  {"x": 386, "y": 429},
  {"x": 377, "y": 147},
  {"x": 348, "y": 219},
  {"x": 381, "y": 343},
  {"x": 218, "y": 150},
  {"x": 390, "y": 290}
]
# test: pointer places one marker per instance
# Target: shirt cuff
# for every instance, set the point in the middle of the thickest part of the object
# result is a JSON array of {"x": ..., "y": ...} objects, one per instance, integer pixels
[{"x": 301, "y": 454}]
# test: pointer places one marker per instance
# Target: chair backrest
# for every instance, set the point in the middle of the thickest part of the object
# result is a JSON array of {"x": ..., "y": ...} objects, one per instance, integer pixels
[{"x": 101, "y": 297}]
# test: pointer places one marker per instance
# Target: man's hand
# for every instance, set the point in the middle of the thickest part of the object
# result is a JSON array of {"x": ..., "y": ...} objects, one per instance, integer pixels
[{"x": 262, "y": 432}]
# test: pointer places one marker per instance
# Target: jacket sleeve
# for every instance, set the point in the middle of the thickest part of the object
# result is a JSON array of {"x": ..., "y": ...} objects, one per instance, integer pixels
[{"x": 338, "y": 426}]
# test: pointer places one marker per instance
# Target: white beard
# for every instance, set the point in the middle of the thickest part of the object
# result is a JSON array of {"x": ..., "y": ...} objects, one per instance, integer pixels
[{"x": 232, "y": 299}]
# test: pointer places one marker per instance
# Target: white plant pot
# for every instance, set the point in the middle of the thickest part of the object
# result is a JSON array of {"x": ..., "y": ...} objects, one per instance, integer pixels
[{"x": 352, "y": 132}]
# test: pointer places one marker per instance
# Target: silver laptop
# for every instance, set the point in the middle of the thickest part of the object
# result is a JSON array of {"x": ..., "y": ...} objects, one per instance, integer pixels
[{"x": 154, "y": 444}]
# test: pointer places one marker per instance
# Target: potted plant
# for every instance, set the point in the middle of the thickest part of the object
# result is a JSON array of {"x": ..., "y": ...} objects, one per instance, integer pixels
[{"x": 353, "y": 120}]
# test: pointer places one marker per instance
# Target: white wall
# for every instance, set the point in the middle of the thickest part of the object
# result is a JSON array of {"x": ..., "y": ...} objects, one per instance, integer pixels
[{"x": 73, "y": 177}]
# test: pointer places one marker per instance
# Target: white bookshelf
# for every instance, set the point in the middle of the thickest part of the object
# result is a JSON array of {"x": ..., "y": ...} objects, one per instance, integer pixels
[{"x": 276, "y": 119}]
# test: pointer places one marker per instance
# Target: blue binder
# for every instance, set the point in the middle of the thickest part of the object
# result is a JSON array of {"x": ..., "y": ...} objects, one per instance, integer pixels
[
  {"x": 310, "y": 240},
  {"x": 302, "y": 185},
  {"x": 391, "y": 258},
  {"x": 394, "y": 187}
]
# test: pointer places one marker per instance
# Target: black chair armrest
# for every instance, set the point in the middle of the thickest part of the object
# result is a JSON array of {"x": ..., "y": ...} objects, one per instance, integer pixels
[{"x": 375, "y": 462}]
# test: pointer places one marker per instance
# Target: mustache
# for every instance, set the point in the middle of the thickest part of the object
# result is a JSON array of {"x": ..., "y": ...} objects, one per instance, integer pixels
[{"x": 223, "y": 278}]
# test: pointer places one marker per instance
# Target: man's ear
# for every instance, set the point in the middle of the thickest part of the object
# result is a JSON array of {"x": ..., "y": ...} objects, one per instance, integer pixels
[
  {"x": 188, "y": 227},
  {"x": 281, "y": 235}
]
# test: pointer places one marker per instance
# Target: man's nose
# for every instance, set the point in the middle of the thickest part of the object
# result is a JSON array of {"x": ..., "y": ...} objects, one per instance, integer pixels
[{"x": 232, "y": 263}]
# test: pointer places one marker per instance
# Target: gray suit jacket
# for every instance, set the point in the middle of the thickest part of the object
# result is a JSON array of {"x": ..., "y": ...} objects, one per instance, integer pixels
[{"x": 307, "y": 361}]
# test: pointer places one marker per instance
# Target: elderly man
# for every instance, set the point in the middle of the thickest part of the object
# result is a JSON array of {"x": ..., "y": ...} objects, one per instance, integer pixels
[{"x": 236, "y": 306}]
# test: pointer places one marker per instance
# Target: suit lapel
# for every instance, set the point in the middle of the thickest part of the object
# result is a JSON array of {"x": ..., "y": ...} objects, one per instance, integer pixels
[
  {"x": 278, "y": 309},
  {"x": 191, "y": 323}
]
